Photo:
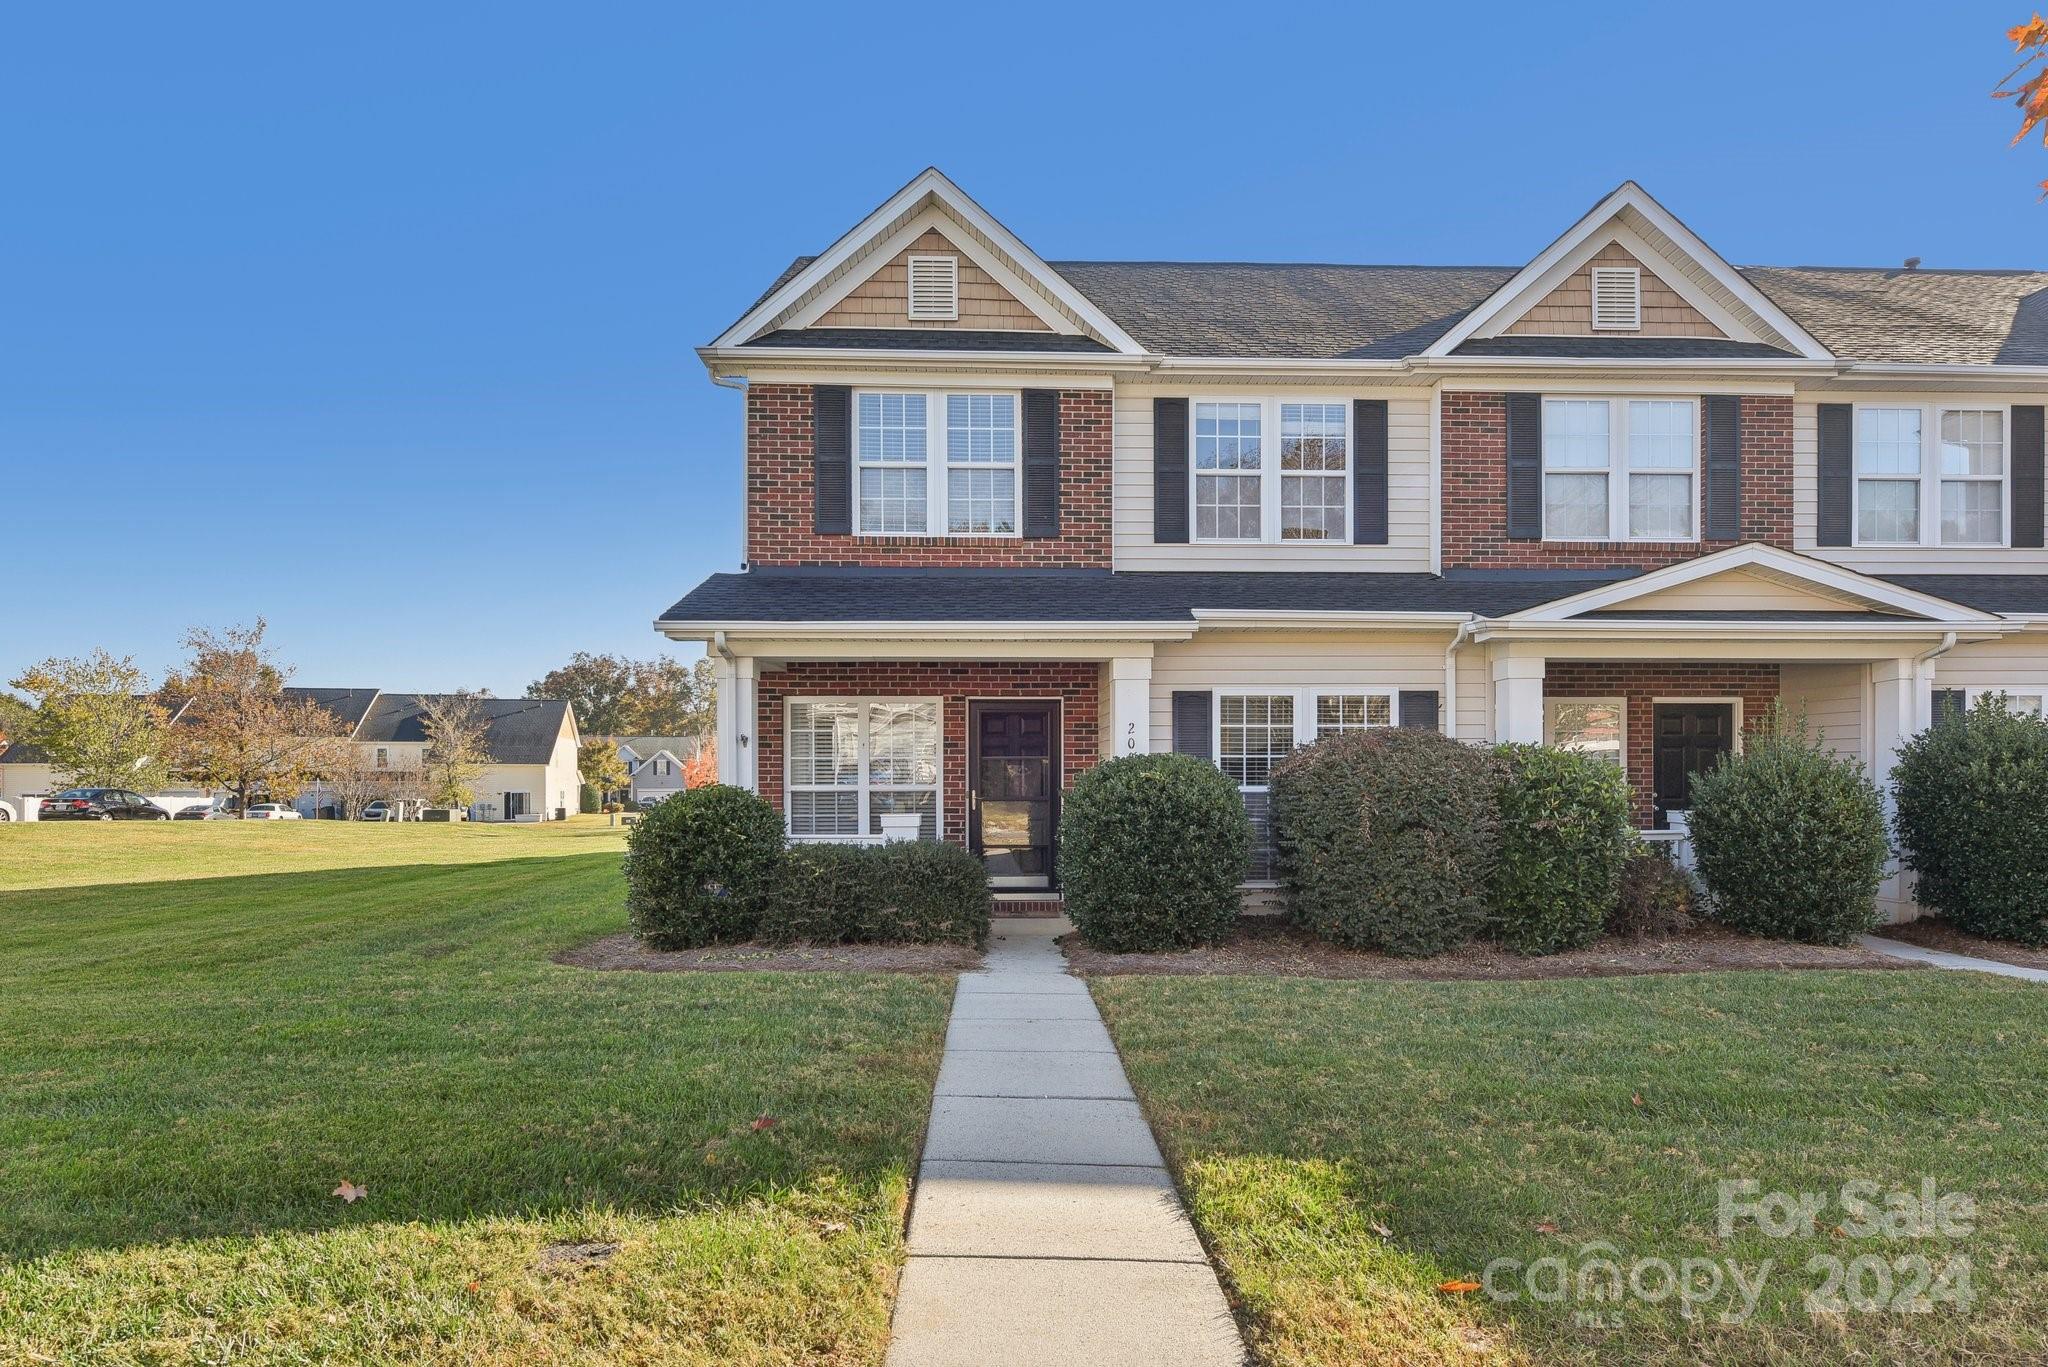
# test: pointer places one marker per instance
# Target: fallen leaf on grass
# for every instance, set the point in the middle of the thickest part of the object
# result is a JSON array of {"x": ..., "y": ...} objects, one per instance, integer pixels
[
  {"x": 1381, "y": 1230},
  {"x": 350, "y": 1192},
  {"x": 764, "y": 1122},
  {"x": 1458, "y": 1288},
  {"x": 1546, "y": 1226},
  {"x": 1635, "y": 1098}
]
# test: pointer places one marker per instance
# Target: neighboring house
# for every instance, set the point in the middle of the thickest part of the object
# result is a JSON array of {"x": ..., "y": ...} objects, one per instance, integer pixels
[
  {"x": 25, "y": 771},
  {"x": 531, "y": 744},
  {"x": 1006, "y": 517},
  {"x": 655, "y": 764}
]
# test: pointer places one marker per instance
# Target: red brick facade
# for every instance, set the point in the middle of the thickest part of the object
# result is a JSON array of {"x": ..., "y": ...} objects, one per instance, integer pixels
[
  {"x": 780, "y": 506},
  {"x": 1076, "y": 686},
  {"x": 1639, "y": 684},
  {"x": 1475, "y": 493}
]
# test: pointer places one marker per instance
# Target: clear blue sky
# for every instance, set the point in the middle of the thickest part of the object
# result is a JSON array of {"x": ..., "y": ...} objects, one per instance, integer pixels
[{"x": 378, "y": 320}]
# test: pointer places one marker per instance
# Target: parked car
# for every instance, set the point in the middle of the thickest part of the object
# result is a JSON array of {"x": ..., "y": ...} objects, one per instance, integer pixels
[
  {"x": 380, "y": 810},
  {"x": 101, "y": 804},
  {"x": 272, "y": 811}
]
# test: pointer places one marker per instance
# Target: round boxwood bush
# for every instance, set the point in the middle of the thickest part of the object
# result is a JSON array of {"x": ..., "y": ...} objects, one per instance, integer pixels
[
  {"x": 1387, "y": 839},
  {"x": 1789, "y": 838},
  {"x": 1151, "y": 851},
  {"x": 1564, "y": 839},
  {"x": 700, "y": 867},
  {"x": 1962, "y": 789}
]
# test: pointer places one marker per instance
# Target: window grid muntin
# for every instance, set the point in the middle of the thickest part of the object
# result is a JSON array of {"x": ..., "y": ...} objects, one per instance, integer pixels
[
  {"x": 1253, "y": 730},
  {"x": 854, "y": 798}
]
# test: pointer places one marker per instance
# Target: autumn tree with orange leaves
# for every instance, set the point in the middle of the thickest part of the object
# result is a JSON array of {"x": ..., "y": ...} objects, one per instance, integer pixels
[{"x": 2030, "y": 41}]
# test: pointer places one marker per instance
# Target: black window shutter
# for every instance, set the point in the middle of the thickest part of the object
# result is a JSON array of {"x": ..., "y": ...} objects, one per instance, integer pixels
[
  {"x": 1041, "y": 462},
  {"x": 1419, "y": 709},
  {"x": 1948, "y": 704},
  {"x": 1835, "y": 470},
  {"x": 1369, "y": 473},
  {"x": 831, "y": 459},
  {"x": 2027, "y": 490},
  {"x": 1723, "y": 415},
  {"x": 1170, "y": 472},
  {"x": 1191, "y": 723},
  {"x": 1525, "y": 467}
]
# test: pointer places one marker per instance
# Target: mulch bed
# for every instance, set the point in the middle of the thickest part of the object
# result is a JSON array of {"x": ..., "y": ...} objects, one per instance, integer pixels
[
  {"x": 624, "y": 952},
  {"x": 1266, "y": 946},
  {"x": 1929, "y": 933}
]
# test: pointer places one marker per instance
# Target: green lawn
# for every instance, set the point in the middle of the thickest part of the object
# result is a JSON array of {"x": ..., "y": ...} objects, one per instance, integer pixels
[
  {"x": 1346, "y": 1147},
  {"x": 205, "y": 1028}
]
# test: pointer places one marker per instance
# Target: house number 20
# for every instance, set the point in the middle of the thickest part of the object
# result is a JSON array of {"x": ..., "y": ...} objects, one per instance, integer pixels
[{"x": 1131, "y": 737}]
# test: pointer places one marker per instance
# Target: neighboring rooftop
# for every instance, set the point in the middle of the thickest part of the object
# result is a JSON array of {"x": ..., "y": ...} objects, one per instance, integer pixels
[{"x": 521, "y": 730}]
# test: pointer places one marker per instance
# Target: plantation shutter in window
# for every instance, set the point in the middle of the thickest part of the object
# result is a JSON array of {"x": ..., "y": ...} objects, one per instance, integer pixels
[
  {"x": 1191, "y": 723},
  {"x": 1419, "y": 709},
  {"x": 1041, "y": 462},
  {"x": 1369, "y": 472},
  {"x": 2027, "y": 490},
  {"x": 1525, "y": 467},
  {"x": 832, "y": 459},
  {"x": 1170, "y": 472},
  {"x": 1723, "y": 501},
  {"x": 1948, "y": 704},
  {"x": 1836, "y": 477}
]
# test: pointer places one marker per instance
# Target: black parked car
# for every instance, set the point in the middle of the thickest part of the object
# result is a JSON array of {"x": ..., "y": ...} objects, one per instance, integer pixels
[{"x": 101, "y": 804}]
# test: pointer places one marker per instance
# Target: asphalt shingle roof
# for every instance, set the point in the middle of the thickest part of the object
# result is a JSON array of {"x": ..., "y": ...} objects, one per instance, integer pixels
[
  {"x": 347, "y": 705},
  {"x": 522, "y": 730}
]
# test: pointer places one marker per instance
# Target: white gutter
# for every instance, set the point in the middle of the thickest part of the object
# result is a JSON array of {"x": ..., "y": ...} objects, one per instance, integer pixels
[
  {"x": 863, "y": 357},
  {"x": 1329, "y": 617},
  {"x": 1736, "y": 631},
  {"x": 717, "y": 632},
  {"x": 1465, "y": 630}
]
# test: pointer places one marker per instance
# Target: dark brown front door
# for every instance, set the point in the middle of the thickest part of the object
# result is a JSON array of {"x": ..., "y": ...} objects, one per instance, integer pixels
[
  {"x": 1690, "y": 737},
  {"x": 1013, "y": 788}
]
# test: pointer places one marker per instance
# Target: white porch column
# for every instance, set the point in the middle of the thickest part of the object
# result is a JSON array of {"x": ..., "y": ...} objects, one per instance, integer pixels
[
  {"x": 1898, "y": 700},
  {"x": 1518, "y": 698},
  {"x": 746, "y": 680},
  {"x": 728, "y": 714},
  {"x": 1130, "y": 715}
]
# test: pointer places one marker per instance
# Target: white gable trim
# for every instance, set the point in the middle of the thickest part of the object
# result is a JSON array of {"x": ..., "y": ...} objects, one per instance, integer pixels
[
  {"x": 1821, "y": 576},
  {"x": 930, "y": 185},
  {"x": 1576, "y": 260},
  {"x": 1521, "y": 291},
  {"x": 886, "y": 249}
]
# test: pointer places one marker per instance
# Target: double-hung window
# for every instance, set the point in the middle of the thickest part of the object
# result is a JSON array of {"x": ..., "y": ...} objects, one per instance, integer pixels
[
  {"x": 936, "y": 464},
  {"x": 1908, "y": 494},
  {"x": 1271, "y": 469},
  {"x": 1620, "y": 470},
  {"x": 852, "y": 761},
  {"x": 1255, "y": 729}
]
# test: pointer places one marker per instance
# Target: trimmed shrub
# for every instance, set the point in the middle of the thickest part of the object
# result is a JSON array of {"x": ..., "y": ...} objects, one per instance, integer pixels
[
  {"x": 1966, "y": 790},
  {"x": 587, "y": 800},
  {"x": 700, "y": 867},
  {"x": 1151, "y": 851},
  {"x": 1564, "y": 838},
  {"x": 915, "y": 892},
  {"x": 1655, "y": 897},
  {"x": 1789, "y": 838},
  {"x": 1387, "y": 839}
]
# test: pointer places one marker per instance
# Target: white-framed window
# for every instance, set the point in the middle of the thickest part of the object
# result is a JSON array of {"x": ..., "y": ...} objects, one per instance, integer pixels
[
  {"x": 934, "y": 288},
  {"x": 935, "y": 464},
  {"x": 383, "y": 758},
  {"x": 848, "y": 762},
  {"x": 1256, "y": 727},
  {"x": 1266, "y": 469},
  {"x": 1931, "y": 474},
  {"x": 1589, "y": 726},
  {"x": 1620, "y": 469},
  {"x": 2023, "y": 699}
]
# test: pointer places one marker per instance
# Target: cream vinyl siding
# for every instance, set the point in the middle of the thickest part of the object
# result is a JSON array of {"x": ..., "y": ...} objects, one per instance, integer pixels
[
  {"x": 1835, "y": 698},
  {"x": 1739, "y": 592},
  {"x": 2015, "y": 663},
  {"x": 1408, "y": 487},
  {"x": 1339, "y": 661},
  {"x": 1896, "y": 559}
]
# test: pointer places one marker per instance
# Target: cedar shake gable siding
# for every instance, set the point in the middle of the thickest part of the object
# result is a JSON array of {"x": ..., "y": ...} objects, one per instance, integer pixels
[
  {"x": 1567, "y": 311},
  {"x": 1475, "y": 493},
  {"x": 883, "y": 299},
  {"x": 780, "y": 498},
  {"x": 1639, "y": 685},
  {"x": 1075, "y": 685}
]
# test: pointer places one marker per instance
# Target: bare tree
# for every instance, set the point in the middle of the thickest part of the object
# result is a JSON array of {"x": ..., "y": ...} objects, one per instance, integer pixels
[{"x": 457, "y": 750}]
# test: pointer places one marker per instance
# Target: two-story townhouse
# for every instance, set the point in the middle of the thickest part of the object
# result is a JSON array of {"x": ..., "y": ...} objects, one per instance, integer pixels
[{"x": 1007, "y": 517}]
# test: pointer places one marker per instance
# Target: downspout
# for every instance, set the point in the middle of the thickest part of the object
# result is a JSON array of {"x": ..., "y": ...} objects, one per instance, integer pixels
[
  {"x": 1948, "y": 643},
  {"x": 1451, "y": 675}
]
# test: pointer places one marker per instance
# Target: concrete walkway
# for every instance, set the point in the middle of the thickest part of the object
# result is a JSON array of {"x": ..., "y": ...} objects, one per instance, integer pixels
[
  {"x": 1044, "y": 1228},
  {"x": 1899, "y": 949}
]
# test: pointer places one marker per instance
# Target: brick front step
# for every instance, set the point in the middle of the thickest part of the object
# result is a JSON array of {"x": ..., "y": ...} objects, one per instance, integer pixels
[{"x": 1035, "y": 904}]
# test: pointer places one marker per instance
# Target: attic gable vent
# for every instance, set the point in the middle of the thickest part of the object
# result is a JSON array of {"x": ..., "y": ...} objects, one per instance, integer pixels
[
  {"x": 935, "y": 288},
  {"x": 1617, "y": 298}
]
